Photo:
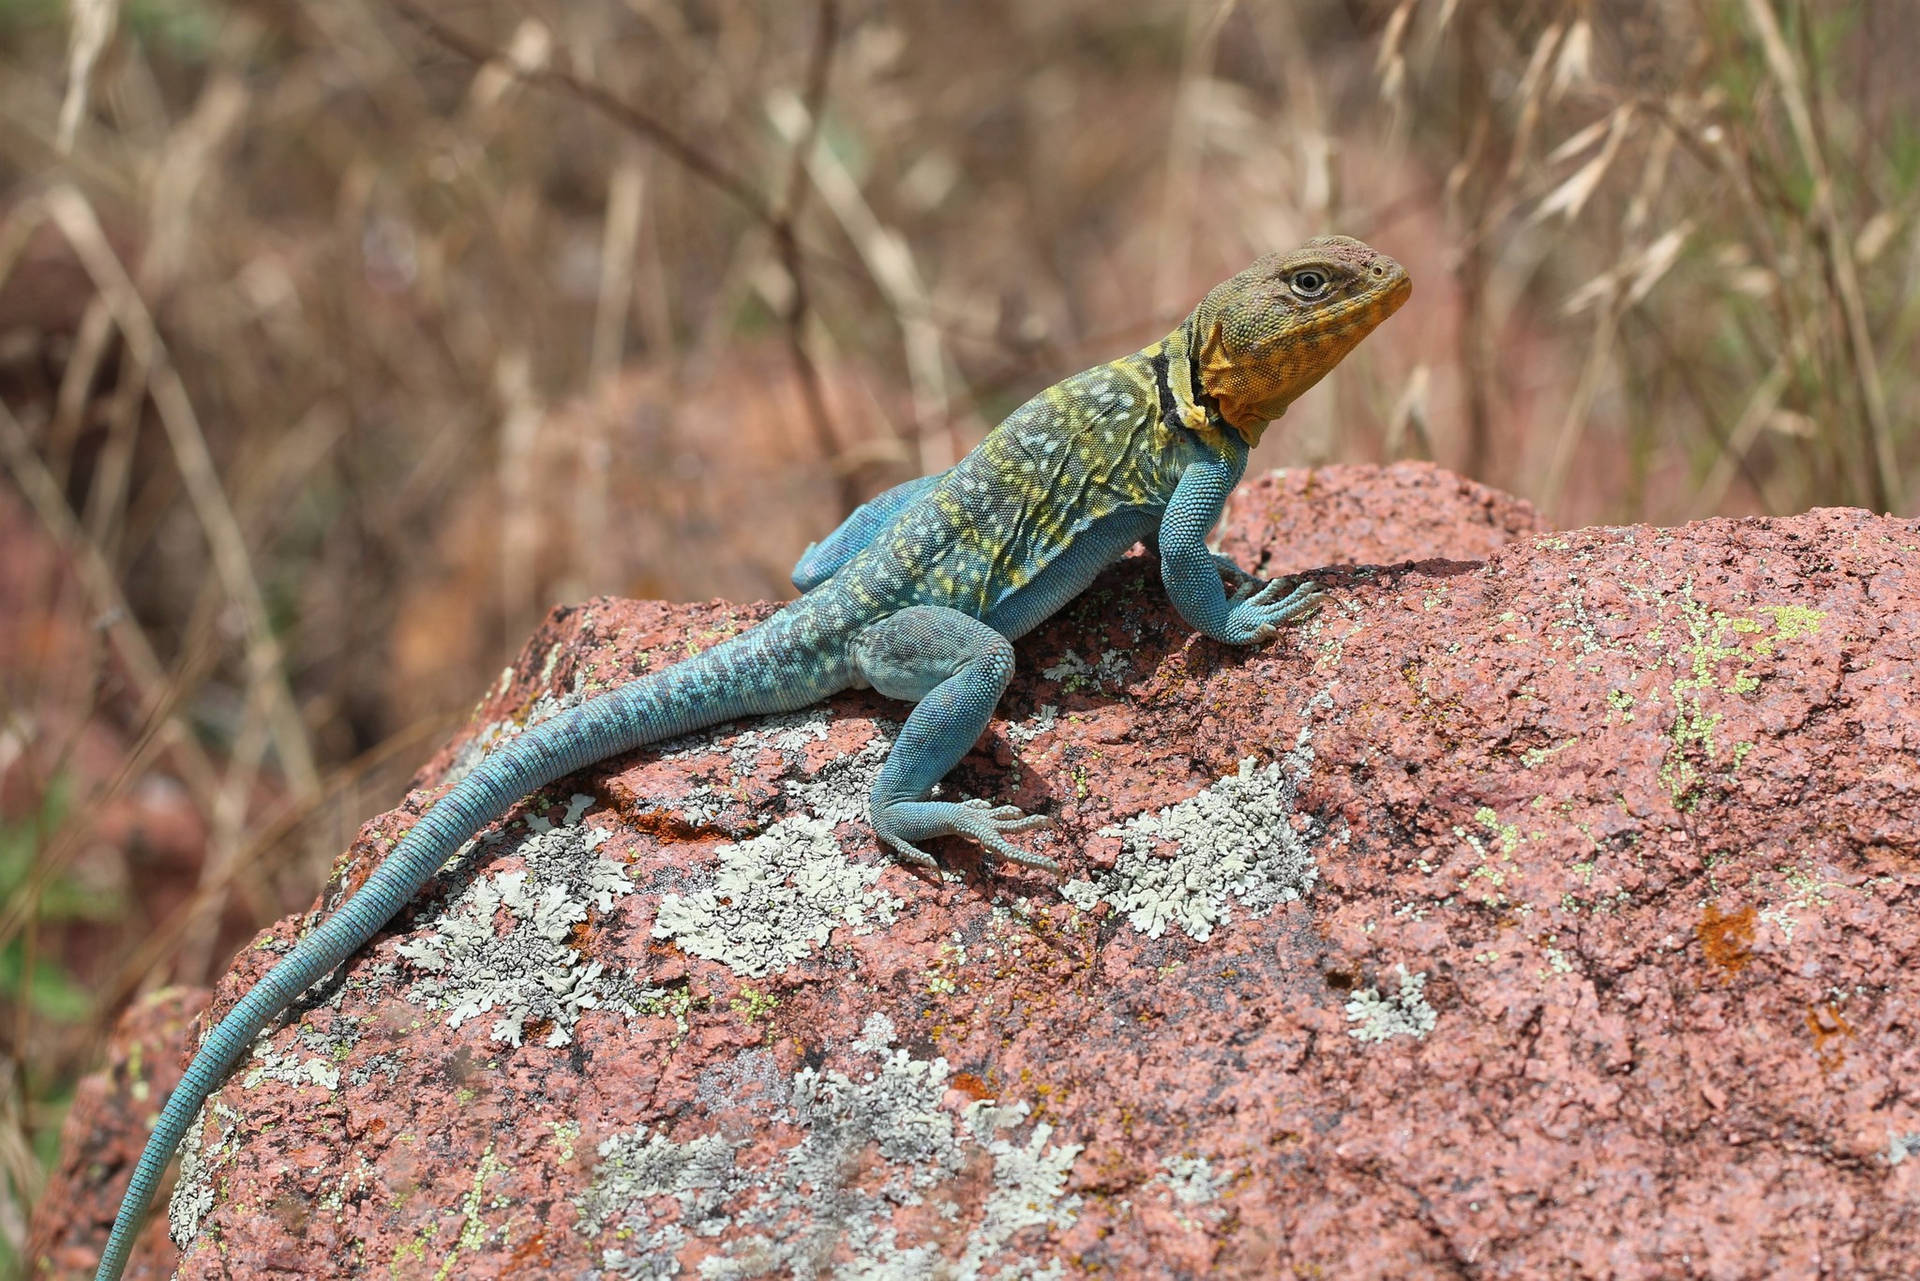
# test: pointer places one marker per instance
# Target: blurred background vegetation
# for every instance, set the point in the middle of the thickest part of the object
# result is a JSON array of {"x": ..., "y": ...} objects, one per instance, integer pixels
[{"x": 339, "y": 339}]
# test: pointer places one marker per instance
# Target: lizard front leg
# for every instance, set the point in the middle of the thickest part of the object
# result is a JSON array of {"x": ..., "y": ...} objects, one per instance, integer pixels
[
  {"x": 954, "y": 668},
  {"x": 1192, "y": 573},
  {"x": 1241, "y": 582}
]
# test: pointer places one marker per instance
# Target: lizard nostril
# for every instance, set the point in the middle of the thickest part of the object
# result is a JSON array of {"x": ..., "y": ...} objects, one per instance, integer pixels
[{"x": 1378, "y": 270}]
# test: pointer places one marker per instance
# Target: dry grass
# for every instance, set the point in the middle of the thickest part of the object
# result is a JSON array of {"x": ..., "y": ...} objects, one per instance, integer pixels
[{"x": 337, "y": 341}]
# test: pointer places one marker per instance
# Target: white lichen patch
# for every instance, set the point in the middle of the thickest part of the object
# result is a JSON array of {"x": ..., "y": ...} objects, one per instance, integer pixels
[
  {"x": 824, "y": 1206},
  {"x": 527, "y": 969},
  {"x": 837, "y": 792},
  {"x": 1074, "y": 672},
  {"x": 1042, "y": 720},
  {"x": 1193, "y": 1181},
  {"x": 291, "y": 1069},
  {"x": 1378, "y": 1018},
  {"x": 775, "y": 898},
  {"x": 784, "y": 732},
  {"x": 1236, "y": 840},
  {"x": 840, "y": 792},
  {"x": 193, "y": 1193},
  {"x": 1901, "y": 1146},
  {"x": 638, "y": 1166},
  {"x": 787, "y": 733}
]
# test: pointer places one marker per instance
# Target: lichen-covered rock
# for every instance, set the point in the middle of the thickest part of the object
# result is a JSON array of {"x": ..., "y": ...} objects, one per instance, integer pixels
[{"x": 1546, "y": 915}]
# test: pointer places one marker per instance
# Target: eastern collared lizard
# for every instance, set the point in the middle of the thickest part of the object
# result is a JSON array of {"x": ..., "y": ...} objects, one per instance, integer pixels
[{"x": 919, "y": 595}]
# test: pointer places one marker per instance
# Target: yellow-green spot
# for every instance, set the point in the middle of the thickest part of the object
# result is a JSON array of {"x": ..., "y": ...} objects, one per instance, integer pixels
[
  {"x": 1716, "y": 637},
  {"x": 472, "y": 1231},
  {"x": 1534, "y": 755},
  {"x": 1507, "y": 833},
  {"x": 137, "y": 1073},
  {"x": 754, "y": 1005},
  {"x": 675, "y": 1005},
  {"x": 1807, "y": 894},
  {"x": 564, "y": 1133},
  {"x": 411, "y": 1252},
  {"x": 1791, "y": 622}
]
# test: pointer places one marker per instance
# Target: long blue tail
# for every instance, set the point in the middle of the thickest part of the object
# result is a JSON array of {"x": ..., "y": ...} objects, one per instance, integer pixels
[{"x": 769, "y": 669}]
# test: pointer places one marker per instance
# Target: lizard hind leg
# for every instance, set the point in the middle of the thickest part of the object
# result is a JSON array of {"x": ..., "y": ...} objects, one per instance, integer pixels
[{"x": 954, "y": 668}]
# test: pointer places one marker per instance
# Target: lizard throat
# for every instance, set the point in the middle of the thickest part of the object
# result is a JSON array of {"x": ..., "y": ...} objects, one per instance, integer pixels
[{"x": 1204, "y": 416}]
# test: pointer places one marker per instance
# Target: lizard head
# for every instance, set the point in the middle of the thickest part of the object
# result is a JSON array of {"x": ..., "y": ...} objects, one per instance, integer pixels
[{"x": 1262, "y": 338}]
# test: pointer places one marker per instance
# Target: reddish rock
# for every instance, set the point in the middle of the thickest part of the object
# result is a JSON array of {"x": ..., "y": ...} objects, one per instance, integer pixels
[
  {"x": 1303, "y": 518},
  {"x": 102, "y": 1136},
  {"x": 1546, "y": 916}
]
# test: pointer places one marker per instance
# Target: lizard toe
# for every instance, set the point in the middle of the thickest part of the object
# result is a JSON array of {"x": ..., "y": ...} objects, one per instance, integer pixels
[{"x": 907, "y": 852}]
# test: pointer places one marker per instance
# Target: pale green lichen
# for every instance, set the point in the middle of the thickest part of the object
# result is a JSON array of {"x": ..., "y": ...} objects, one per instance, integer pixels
[
  {"x": 1193, "y": 1180},
  {"x": 776, "y": 898},
  {"x": 193, "y": 1193},
  {"x": 529, "y": 972},
  {"x": 1377, "y": 1018},
  {"x": 1236, "y": 840},
  {"x": 824, "y": 1205},
  {"x": 1901, "y": 1146}
]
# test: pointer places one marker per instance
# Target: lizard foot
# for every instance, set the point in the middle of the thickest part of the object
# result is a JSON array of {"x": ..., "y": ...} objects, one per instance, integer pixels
[
  {"x": 987, "y": 824},
  {"x": 1257, "y": 618}
]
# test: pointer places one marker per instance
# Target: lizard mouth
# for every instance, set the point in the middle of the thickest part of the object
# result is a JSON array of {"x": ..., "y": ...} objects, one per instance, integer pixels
[
  {"x": 1391, "y": 287},
  {"x": 1399, "y": 287}
]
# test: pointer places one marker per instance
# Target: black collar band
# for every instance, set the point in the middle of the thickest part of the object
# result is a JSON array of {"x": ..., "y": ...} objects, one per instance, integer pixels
[{"x": 1169, "y": 407}]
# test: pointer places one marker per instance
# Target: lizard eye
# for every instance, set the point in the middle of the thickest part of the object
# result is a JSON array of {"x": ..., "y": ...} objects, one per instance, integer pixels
[{"x": 1309, "y": 284}]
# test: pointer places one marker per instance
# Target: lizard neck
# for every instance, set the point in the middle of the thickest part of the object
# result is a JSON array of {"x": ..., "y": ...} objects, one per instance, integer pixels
[{"x": 1187, "y": 400}]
